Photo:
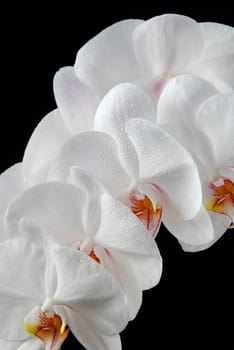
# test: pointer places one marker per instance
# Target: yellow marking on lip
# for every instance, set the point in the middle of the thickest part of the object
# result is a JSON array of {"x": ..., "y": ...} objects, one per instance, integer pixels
[
  {"x": 30, "y": 328},
  {"x": 155, "y": 206},
  {"x": 63, "y": 326},
  {"x": 210, "y": 204}
]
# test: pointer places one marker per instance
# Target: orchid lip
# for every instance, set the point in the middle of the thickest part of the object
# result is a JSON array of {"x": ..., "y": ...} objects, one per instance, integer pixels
[
  {"x": 49, "y": 327},
  {"x": 222, "y": 199},
  {"x": 148, "y": 211}
]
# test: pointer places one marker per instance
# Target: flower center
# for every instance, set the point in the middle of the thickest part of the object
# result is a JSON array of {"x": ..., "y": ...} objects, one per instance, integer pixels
[
  {"x": 222, "y": 200},
  {"x": 148, "y": 212},
  {"x": 48, "y": 327}
]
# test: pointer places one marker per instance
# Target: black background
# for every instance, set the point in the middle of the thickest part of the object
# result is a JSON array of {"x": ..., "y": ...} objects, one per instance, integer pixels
[{"x": 193, "y": 306}]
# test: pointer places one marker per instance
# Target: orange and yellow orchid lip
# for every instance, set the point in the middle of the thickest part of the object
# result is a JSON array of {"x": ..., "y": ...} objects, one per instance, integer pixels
[
  {"x": 148, "y": 212},
  {"x": 222, "y": 200},
  {"x": 52, "y": 330}
]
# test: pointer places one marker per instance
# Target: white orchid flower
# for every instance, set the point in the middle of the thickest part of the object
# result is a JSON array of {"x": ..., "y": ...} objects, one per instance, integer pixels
[
  {"x": 138, "y": 162},
  {"x": 47, "y": 291},
  {"x": 202, "y": 122},
  {"x": 150, "y": 53},
  {"x": 97, "y": 225}
]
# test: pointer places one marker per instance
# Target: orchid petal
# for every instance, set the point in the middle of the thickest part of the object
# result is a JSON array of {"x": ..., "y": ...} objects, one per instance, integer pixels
[
  {"x": 216, "y": 60},
  {"x": 85, "y": 331},
  {"x": 30, "y": 231},
  {"x": 128, "y": 234},
  {"x": 123, "y": 234},
  {"x": 122, "y": 103},
  {"x": 181, "y": 99},
  {"x": 97, "y": 153},
  {"x": 161, "y": 41},
  {"x": 90, "y": 290},
  {"x": 215, "y": 120},
  {"x": 200, "y": 149},
  {"x": 218, "y": 72},
  {"x": 9, "y": 345},
  {"x": 129, "y": 252},
  {"x": 177, "y": 108},
  {"x": 15, "y": 309},
  {"x": 11, "y": 184},
  {"x": 93, "y": 191},
  {"x": 109, "y": 58},
  {"x": 19, "y": 259},
  {"x": 218, "y": 40},
  {"x": 29, "y": 344},
  {"x": 194, "y": 232},
  {"x": 166, "y": 164},
  {"x": 57, "y": 208},
  {"x": 44, "y": 144},
  {"x": 76, "y": 103},
  {"x": 124, "y": 267},
  {"x": 220, "y": 225}
]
